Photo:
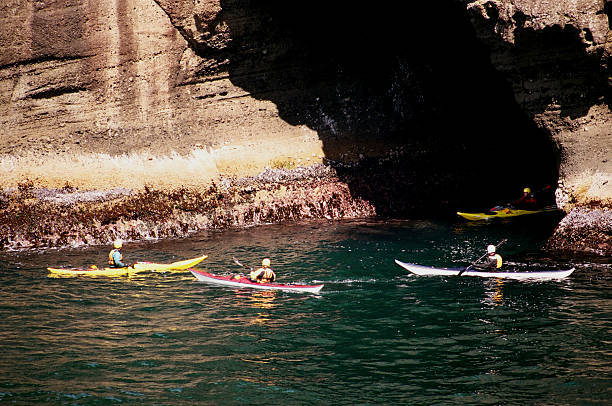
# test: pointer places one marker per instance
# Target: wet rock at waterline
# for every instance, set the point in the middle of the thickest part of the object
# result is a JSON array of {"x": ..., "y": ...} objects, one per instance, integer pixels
[
  {"x": 586, "y": 230},
  {"x": 437, "y": 104},
  {"x": 42, "y": 218}
]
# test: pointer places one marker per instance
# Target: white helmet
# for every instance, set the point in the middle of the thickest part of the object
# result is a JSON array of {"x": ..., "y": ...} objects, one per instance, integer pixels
[
  {"x": 118, "y": 244},
  {"x": 491, "y": 249}
]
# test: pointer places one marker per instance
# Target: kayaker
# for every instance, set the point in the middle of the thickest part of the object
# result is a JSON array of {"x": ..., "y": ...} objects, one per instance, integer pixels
[
  {"x": 115, "y": 258},
  {"x": 265, "y": 274},
  {"x": 493, "y": 259},
  {"x": 525, "y": 202}
]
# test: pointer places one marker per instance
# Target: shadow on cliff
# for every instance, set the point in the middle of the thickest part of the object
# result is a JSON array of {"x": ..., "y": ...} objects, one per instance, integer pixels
[
  {"x": 408, "y": 96},
  {"x": 558, "y": 70}
]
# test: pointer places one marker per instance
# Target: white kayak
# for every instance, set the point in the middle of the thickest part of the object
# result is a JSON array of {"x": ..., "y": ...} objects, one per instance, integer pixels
[{"x": 536, "y": 274}]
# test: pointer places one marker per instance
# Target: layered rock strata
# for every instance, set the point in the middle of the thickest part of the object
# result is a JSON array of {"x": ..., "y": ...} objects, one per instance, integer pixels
[
  {"x": 557, "y": 58},
  {"x": 414, "y": 110}
]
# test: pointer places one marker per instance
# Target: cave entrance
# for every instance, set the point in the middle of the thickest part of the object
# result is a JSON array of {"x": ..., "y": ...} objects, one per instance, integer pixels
[{"x": 406, "y": 102}]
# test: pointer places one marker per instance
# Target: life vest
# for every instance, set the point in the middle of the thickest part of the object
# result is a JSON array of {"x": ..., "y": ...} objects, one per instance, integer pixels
[
  {"x": 268, "y": 275},
  {"x": 526, "y": 202},
  {"x": 262, "y": 275},
  {"x": 111, "y": 260},
  {"x": 499, "y": 261},
  {"x": 494, "y": 261}
]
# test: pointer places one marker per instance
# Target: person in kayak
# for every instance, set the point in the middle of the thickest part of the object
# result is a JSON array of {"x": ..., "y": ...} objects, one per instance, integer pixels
[
  {"x": 115, "y": 258},
  {"x": 265, "y": 274},
  {"x": 525, "y": 202},
  {"x": 492, "y": 261}
]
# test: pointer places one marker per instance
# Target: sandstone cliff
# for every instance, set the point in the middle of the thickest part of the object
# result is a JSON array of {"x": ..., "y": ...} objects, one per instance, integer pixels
[{"x": 413, "y": 109}]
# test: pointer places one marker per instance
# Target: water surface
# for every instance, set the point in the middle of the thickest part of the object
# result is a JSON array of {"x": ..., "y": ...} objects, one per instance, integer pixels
[{"x": 374, "y": 334}]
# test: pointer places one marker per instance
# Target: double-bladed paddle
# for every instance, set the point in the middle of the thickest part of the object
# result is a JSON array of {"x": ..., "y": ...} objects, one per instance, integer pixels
[
  {"x": 475, "y": 262},
  {"x": 242, "y": 265}
]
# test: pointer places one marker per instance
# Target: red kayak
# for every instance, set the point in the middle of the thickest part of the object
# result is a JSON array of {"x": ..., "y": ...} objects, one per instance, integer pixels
[{"x": 243, "y": 282}]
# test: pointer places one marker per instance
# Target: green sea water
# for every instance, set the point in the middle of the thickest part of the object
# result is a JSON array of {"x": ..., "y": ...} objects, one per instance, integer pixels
[{"x": 373, "y": 335}]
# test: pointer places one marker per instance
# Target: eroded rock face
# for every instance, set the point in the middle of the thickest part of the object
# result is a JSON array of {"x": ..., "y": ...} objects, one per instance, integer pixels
[
  {"x": 585, "y": 230},
  {"x": 414, "y": 110},
  {"x": 557, "y": 58}
]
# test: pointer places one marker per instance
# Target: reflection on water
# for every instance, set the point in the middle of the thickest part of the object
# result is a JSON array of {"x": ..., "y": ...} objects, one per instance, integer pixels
[
  {"x": 374, "y": 335},
  {"x": 258, "y": 299},
  {"x": 495, "y": 295}
]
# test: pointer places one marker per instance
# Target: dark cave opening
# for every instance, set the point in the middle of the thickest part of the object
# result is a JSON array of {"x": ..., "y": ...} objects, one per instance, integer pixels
[{"x": 407, "y": 95}]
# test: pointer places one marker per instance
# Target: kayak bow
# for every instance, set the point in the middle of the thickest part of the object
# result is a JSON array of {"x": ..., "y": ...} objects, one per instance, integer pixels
[
  {"x": 243, "y": 282},
  {"x": 536, "y": 274},
  {"x": 179, "y": 266}
]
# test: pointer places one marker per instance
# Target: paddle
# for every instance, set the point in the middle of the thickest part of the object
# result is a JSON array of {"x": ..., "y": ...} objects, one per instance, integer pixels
[
  {"x": 239, "y": 264},
  {"x": 475, "y": 262},
  {"x": 242, "y": 265}
]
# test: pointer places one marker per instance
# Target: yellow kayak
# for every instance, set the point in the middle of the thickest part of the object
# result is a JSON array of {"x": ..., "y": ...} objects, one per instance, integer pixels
[
  {"x": 504, "y": 213},
  {"x": 93, "y": 271},
  {"x": 179, "y": 266}
]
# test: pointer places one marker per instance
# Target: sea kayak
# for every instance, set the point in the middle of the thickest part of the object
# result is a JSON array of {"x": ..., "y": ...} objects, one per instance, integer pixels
[
  {"x": 56, "y": 272},
  {"x": 535, "y": 274},
  {"x": 179, "y": 266},
  {"x": 505, "y": 213},
  {"x": 243, "y": 282}
]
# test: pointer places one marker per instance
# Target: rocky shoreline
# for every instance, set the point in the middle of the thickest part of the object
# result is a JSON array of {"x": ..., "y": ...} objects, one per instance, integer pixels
[
  {"x": 162, "y": 98},
  {"x": 584, "y": 230},
  {"x": 37, "y": 218}
]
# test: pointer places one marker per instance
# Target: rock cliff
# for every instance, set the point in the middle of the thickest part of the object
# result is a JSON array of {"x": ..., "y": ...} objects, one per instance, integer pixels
[{"x": 412, "y": 109}]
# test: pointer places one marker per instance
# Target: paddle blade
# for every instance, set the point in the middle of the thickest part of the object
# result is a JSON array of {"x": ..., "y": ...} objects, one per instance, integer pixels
[{"x": 239, "y": 264}]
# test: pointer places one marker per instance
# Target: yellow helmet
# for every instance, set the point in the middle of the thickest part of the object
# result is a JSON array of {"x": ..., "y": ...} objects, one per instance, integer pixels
[
  {"x": 118, "y": 244},
  {"x": 526, "y": 190},
  {"x": 265, "y": 262}
]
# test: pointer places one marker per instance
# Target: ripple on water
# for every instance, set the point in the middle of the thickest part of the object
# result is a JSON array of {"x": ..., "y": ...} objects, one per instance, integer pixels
[{"x": 373, "y": 336}]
